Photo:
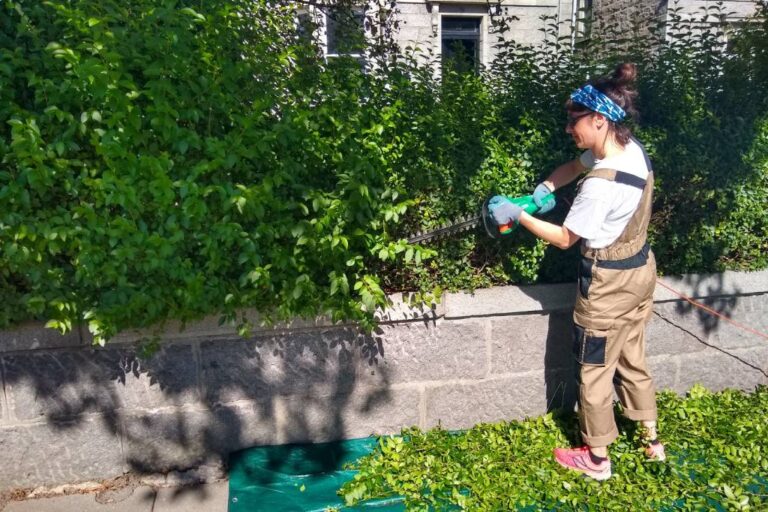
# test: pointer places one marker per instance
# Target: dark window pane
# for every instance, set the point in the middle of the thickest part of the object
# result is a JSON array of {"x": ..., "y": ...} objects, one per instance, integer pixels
[
  {"x": 461, "y": 26},
  {"x": 461, "y": 43},
  {"x": 345, "y": 32}
]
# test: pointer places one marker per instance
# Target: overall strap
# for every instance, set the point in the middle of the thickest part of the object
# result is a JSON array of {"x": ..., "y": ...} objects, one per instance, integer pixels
[{"x": 635, "y": 234}]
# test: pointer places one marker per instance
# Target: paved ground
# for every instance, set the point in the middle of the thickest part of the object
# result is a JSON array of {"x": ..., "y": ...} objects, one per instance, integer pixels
[{"x": 202, "y": 498}]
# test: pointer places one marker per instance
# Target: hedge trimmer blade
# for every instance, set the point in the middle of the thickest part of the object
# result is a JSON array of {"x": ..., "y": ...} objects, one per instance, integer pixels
[{"x": 462, "y": 225}]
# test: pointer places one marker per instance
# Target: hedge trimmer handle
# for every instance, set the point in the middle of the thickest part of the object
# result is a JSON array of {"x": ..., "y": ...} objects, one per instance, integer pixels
[{"x": 525, "y": 202}]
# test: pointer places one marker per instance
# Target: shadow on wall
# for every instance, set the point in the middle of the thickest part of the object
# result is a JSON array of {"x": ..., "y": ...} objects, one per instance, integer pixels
[
  {"x": 559, "y": 364},
  {"x": 189, "y": 405},
  {"x": 717, "y": 298}
]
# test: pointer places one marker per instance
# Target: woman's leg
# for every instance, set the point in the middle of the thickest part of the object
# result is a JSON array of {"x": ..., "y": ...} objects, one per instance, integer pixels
[{"x": 633, "y": 381}]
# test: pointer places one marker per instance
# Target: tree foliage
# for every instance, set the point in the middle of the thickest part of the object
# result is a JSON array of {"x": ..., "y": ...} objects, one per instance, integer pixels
[{"x": 177, "y": 159}]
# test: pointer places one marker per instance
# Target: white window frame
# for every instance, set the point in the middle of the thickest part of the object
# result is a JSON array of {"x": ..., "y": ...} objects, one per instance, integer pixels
[
  {"x": 583, "y": 17},
  {"x": 483, "y": 36},
  {"x": 324, "y": 35}
]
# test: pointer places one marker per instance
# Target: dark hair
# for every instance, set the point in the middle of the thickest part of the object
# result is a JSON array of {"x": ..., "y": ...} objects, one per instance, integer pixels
[{"x": 620, "y": 87}]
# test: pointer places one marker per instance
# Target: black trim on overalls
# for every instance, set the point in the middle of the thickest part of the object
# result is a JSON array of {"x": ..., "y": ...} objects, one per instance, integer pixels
[
  {"x": 638, "y": 260},
  {"x": 629, "y": 179}
]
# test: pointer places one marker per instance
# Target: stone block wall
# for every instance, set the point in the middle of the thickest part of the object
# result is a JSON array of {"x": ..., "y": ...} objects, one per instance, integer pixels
[
  {"x": 623, "y": 15},
  {"x": 638, "y": 16},
  {"x": 420, "y": 22},
  {"x": 71, "y": 412}
]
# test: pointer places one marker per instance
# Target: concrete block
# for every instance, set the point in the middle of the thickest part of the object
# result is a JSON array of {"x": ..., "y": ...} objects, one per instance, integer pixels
[
  {"x": 65, "y": 384},
  {"x": 62, "y": 385},
  {"x": 561, "y": 388},
  {"x": 669, "y": 332},
  {"x": 365, "y": 412},
  {"x": 717, "y": 370},
  {"x": 505, "y": 300},
  {"x": 418, "y": 352},
  {"x": 209, "y": 327},
  {"x": 4, "y": 409},
  {"x": 757, "y": 357},
  {"x": 168, "y": 378},
  {"x": 664, "y": 371},
  {"x": 402, "y": 308},
  {"x": 338, "y": 360},
  {"x": 59, "y": 452},
  {"x": 521, "y": 343},
  {"x": 176, "y": 440},
  {"x": 34, "y": 336},
  {"x": 242, "y": 425},
  {"x": 160, "y": 442},
  {"x": 697, "y": 326},
  {"x": 711, "y": 285},
  {"x": 320, "y": 361},
  {"x": 464, "y": 404}
]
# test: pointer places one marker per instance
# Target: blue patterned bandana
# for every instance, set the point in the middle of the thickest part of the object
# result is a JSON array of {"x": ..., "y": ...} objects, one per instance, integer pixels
[{"x": 598, "y": 102}]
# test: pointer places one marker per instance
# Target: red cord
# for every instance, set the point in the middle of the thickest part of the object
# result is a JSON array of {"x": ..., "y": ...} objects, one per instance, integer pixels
[{"x": 713, "y": 312}]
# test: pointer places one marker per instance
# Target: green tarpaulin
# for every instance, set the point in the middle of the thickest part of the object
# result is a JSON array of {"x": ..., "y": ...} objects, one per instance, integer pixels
[{"x": 299, "y": 477}]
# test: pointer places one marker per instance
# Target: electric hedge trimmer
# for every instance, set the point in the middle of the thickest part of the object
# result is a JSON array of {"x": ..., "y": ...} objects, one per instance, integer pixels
[{"x": 485, "y": 217}]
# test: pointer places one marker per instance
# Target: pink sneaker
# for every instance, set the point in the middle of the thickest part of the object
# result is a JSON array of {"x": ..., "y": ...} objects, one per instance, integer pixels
[
  {"x": 655, "y": 451},
  {"x": 578, "y": 459}
]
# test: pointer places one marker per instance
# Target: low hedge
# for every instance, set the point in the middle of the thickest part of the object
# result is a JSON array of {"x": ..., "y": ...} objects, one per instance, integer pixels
[
  {"x": 179, "y": 159},
  {"x": 717, "y": 459}
]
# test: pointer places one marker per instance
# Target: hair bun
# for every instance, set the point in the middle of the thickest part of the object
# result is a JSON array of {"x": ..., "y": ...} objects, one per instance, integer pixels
[{"x": 625, "y": 74}]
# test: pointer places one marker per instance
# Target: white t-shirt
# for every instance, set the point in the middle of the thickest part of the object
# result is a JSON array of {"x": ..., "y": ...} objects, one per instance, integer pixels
[{"x": 602, "y": 208}]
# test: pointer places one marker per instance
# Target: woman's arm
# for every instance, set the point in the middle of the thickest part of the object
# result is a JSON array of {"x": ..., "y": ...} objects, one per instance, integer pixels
[
  {"x": 565, "y": 174},
  {"x": 559, "y": 236}
]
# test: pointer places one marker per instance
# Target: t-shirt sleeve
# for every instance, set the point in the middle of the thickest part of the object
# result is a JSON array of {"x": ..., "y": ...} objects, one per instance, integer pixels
[
  {"x": 590, "y": 208},
  {"x": 587, "y": 159}
]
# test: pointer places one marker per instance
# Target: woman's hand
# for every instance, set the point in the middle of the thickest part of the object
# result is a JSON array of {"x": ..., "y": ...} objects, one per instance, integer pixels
[
  {"x": 543, "y": 190},
  {"x": 504, "y": 211}
]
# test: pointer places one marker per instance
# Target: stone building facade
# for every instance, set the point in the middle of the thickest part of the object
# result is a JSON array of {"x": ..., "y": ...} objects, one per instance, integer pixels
[
  {"x": 625, "y": 16},
  {"x": 439, "y": 27}
]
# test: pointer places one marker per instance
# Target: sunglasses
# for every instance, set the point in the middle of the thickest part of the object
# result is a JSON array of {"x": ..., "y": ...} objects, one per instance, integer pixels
[{"x": 572, "y": 120}]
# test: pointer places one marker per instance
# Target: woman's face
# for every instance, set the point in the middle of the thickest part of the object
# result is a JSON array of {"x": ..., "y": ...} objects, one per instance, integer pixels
[{"x": 583, "y": 127}]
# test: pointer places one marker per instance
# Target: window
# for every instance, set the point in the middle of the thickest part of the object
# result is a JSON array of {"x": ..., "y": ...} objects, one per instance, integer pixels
[
  {"x": 345, "y": 34},
  {"x": 461, "y": 43},
  {"x": 583, "y": 18},
  {"x": 731, "y": 30}
]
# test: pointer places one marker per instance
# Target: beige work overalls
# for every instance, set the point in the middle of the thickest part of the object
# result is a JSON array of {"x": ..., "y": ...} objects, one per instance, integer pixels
[{"x": 614, "y": 303}]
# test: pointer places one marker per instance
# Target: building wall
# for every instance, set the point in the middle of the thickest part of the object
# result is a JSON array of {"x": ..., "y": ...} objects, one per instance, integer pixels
[
  {"x": 420, "y": 22},
  {"x": 71, "y": 412},
  {"x": 736, "y": 9},
  {"x": 624, "y": 15}
]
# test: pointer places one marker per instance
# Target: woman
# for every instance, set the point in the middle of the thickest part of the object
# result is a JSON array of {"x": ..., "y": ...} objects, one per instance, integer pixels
[{"x": 617, "y": 272}]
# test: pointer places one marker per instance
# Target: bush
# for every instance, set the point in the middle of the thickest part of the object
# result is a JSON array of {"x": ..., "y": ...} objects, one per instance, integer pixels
[
  {"x": 716, "y": 460},
  {"x": 163, "y": 160}
]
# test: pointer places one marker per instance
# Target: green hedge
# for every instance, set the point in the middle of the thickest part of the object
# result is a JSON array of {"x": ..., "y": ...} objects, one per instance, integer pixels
[
  {"x": 177, "y": 159},
  {"x": 716, "y": 460}
]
